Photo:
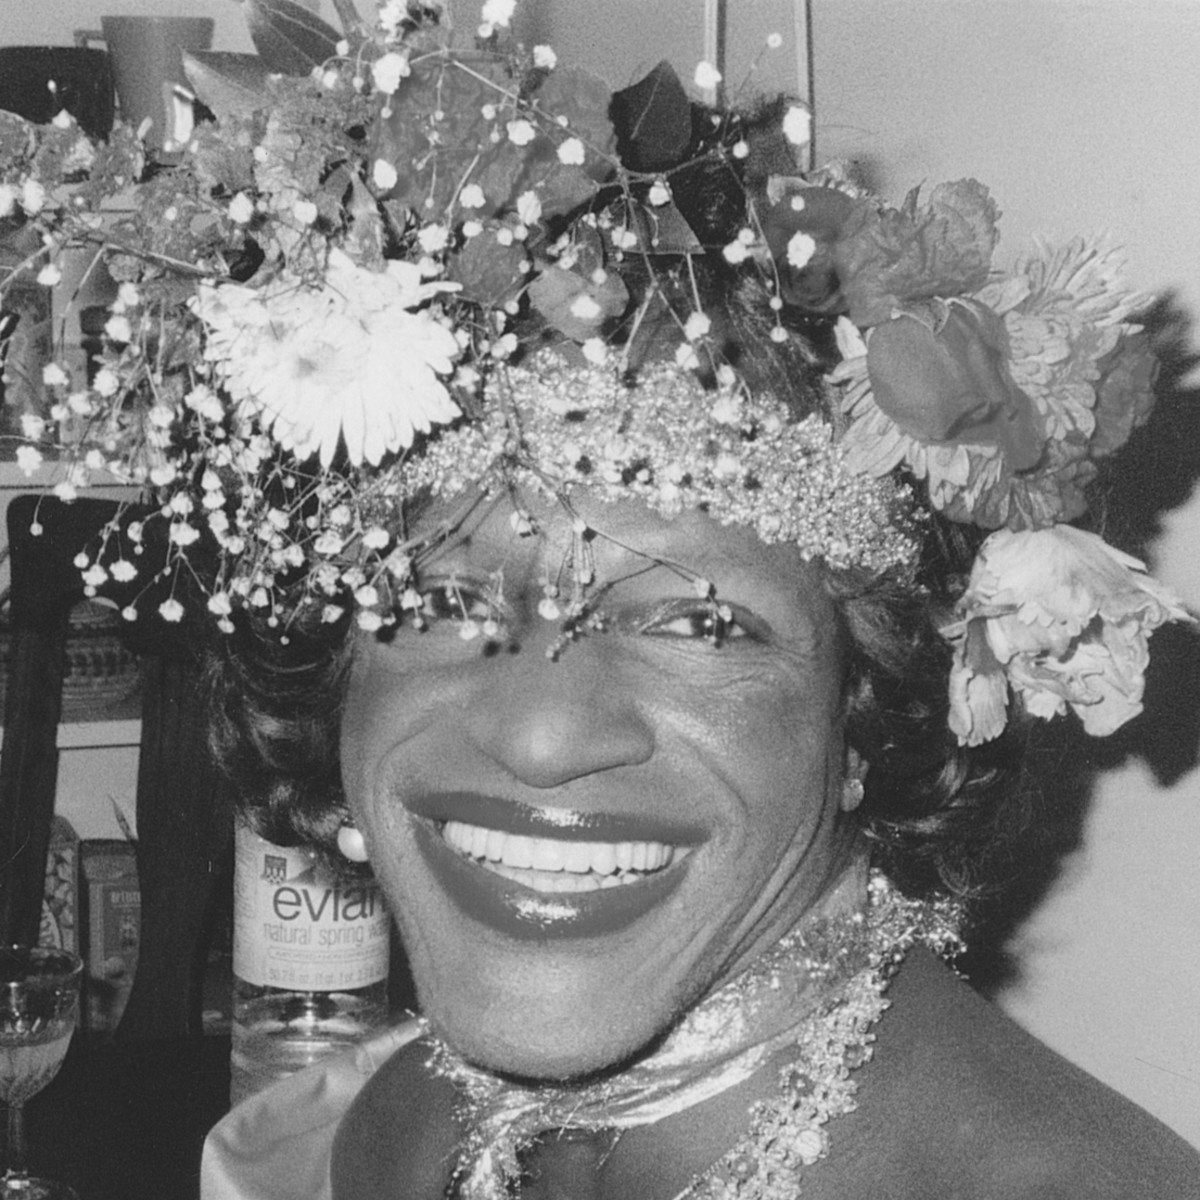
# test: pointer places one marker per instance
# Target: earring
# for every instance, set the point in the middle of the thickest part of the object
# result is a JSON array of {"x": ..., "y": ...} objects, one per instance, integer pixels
[
  {"x": 351, "y": 843},
  {"x": 852, "y": 793}
]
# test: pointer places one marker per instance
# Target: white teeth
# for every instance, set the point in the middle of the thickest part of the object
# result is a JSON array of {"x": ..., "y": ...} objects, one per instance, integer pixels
[
  {"x": 547, "y": 855},
  {"x": 577, "y": 857},
  {"x": 604, "y": 858},
  {"x": 479, "y": 838},
  {"x": 495, "y": 844},
  {"x": 554, "y": 865}
]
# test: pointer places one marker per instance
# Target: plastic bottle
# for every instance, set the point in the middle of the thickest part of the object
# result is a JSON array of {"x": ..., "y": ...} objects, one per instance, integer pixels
[{"x": 310, "y": 962}]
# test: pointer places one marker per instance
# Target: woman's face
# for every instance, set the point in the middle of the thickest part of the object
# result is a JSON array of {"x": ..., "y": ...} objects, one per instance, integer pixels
[{"x": 577, "y": 849}]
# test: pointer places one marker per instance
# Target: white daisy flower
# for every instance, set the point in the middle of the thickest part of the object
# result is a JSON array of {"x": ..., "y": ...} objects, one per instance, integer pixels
[{"x": 355, "y": 359}]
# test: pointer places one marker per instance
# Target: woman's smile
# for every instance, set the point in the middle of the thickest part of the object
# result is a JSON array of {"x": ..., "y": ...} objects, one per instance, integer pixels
[
  {"x": 551, "y": 865},
  {"x": 525, "y": 870}
]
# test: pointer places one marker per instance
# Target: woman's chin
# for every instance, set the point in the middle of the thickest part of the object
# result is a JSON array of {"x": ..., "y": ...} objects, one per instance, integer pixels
[
  {"x": 544, "y": 1050},
  {"x": 568, "y": 1018}
]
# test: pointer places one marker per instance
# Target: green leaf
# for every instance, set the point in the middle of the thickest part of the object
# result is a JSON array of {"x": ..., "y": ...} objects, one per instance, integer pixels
[
  {"x": 491, "y": 274},
  {"x": 556, "y": 294},
  {"x": 290, "y": 39},
  {"x": 16, "y": 138},
  {"x": 662, "y": 229},
  {"x": 653, "y": 118},
  {"x": 227, "y": 84}
]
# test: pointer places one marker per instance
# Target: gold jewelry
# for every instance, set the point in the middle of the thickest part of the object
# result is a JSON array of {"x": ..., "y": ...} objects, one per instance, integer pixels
[{"x": 818, "y": 992}]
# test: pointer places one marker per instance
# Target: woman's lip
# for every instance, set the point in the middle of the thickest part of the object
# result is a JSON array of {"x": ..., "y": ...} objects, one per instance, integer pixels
[
  {"x": 477, "y": 808},
  {"x": 520, "y": 912}
]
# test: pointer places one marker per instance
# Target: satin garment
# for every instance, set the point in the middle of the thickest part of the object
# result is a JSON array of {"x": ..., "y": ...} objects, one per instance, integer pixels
[{"x": 277, "y": 1145}]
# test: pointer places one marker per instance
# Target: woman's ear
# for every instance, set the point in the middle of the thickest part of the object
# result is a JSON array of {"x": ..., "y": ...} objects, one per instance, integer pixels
[{"x": 852, "y": 780}]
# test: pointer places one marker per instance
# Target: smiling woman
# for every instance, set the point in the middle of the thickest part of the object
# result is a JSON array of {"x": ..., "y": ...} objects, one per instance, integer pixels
[
  {"x": 711, "y": 756},
  {"x": 623, "y": 764},
  {"x": 648, "y": 552}
]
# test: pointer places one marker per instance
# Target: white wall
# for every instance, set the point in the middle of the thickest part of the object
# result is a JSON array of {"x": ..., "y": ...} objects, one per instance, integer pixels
[{"x": 1081, "y": 117}]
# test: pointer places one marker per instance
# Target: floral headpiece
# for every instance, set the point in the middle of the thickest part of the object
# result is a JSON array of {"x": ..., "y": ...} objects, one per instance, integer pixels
[{"x": 317, "y": 314}]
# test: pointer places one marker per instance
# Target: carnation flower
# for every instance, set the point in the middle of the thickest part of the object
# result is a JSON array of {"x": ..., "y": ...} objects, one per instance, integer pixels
[
  {"x": 1019, "y": 389},
  {"x": 942, "y": 375},
  {"x": 350, "y": 359},
  {"x": 1061, "y": 617}
]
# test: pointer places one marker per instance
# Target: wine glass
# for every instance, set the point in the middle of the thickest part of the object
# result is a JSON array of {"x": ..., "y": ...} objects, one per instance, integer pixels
[{"x": 39, "y": 1001}]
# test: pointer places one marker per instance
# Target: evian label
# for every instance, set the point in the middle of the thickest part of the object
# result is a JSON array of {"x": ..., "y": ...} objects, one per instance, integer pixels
[{"x": 296, "y": 927}]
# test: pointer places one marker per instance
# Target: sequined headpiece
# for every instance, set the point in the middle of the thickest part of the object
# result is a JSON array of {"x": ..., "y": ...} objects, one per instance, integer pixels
[
  {"x": 676, "y": 445},
  {"x": 322, "y": 307}
]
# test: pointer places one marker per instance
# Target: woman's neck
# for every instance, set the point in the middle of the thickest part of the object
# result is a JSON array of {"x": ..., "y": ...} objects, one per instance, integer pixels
[
  {"x": 401, "y": 1138},
  {"x": 811, "y": 1001}
]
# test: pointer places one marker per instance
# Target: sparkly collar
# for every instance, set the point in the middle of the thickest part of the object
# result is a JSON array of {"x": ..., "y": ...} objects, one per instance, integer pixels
[{"x": 817, "y": 993}]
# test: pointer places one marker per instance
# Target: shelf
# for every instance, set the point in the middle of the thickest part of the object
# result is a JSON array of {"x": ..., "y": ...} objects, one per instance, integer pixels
[
  {"x": 77, "y": 735},
  {"x": 117, "y": 724},
  {"x": 13, "y": 479}
]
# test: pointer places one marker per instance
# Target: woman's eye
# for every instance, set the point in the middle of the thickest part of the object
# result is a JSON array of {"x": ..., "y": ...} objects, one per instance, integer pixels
[
  {"x": 712, "y": 622},
  {"x": 460, "y": 602}
]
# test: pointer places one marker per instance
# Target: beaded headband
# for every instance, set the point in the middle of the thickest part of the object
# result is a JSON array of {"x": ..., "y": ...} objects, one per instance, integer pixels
[
  {"x": 316, "y": 306},
  {"x": 674, "y": 445}
]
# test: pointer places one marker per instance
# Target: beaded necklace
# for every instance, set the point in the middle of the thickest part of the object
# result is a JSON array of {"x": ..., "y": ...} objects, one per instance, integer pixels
[{"x": 819, "y": 992}]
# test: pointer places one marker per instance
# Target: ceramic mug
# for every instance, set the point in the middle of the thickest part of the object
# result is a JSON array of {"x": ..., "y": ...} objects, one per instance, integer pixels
[{"x": 147, "y": 66}]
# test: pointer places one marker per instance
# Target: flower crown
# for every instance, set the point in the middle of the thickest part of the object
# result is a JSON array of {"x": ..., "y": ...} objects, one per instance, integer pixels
[{"x": 317, "y": 314}]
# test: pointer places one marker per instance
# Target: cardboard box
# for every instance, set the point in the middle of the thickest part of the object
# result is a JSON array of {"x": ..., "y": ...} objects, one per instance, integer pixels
[
  {"x": 112, "y": 930},
  {"x": 60, "y": 903}
]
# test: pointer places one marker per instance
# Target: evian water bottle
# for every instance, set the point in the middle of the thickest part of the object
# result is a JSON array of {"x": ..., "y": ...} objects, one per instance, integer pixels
[{"x": 310, "y": 962}]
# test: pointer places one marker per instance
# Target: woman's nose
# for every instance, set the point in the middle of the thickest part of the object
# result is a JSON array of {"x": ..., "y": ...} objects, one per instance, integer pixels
[{"x": 549, "y": 722}]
